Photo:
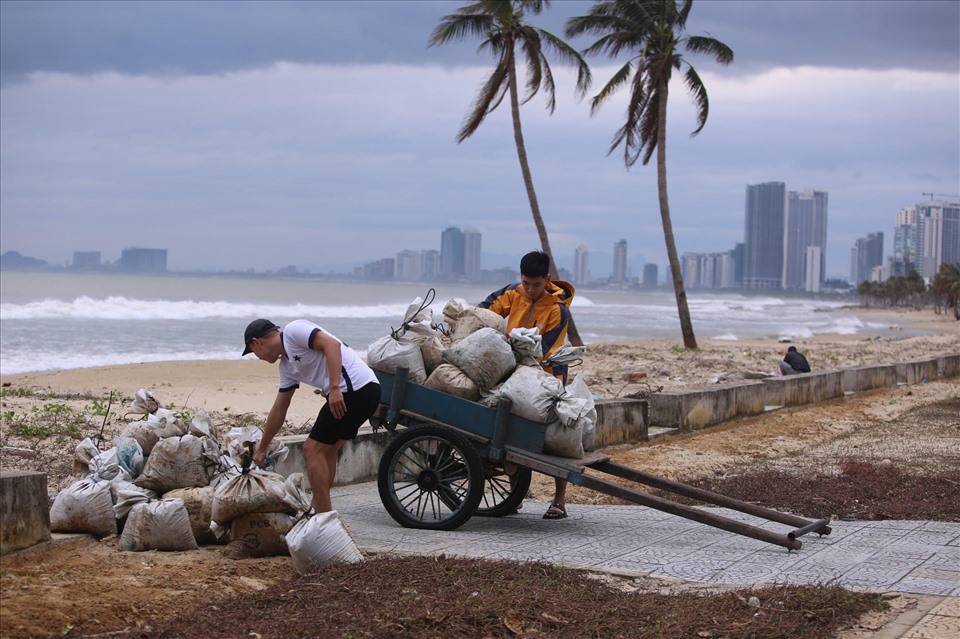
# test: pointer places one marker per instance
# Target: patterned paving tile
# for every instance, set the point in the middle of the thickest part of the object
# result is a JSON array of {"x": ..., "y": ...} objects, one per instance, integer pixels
[{"x": 918, "y": 557}]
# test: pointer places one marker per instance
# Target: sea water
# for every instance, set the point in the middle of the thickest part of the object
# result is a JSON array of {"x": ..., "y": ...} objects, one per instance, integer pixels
[{"x": 62, "y": 320}]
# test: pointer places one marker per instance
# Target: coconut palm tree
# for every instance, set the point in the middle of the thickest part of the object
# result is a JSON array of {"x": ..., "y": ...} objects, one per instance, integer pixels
[
  {"x": 501, "y": 28},
  {"x": 946, "y": 285},
  {"x": 652, "y": 33}
]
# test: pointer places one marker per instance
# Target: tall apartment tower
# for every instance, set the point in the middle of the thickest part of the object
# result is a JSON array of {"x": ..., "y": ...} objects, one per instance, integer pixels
[
  {"x": 867, "y": 253},
  {"x": 471, "y": 254},
  {"x": 451, "y": 253},
  {"x": 763, "y": 236},
  {"x": 904, "y": 242},
  {"x": 408, "y": 265},
  {"x": 938, "y": 236},
  {"x": 805, "y": 226},
  {"x": 429, "y": 264},
  {"x": 581, "y": 266},
  {"x": 619, "y": 262},
  {"x": 650, "y": 275}
]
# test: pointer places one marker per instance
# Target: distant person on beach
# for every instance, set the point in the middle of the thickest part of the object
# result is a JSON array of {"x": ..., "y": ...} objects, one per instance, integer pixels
[
  {"x": 794, "y": 362},
  {"x": 309, "y": 354},
  {"x": 536, "y": 301}
]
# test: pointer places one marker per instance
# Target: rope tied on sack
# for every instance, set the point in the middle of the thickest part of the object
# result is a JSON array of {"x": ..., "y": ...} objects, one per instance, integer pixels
[{"x": 397, "y": 333}]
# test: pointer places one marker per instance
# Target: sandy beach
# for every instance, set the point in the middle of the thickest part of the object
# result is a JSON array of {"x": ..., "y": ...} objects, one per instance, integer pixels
[{"x": 248, "y": 386}]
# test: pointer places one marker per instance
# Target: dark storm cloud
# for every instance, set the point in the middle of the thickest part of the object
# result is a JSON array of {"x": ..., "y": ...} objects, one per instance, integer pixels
[{"x": 219, "y": 37}]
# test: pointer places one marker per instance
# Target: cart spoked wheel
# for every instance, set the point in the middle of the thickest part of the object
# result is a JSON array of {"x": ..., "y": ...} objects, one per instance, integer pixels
[
  {"x": 500, "y": 497},
  {"x": 430, "y": 477}
]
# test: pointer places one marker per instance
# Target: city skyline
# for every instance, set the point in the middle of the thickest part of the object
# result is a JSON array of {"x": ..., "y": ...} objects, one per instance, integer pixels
[{"x": 156, "y": 124}]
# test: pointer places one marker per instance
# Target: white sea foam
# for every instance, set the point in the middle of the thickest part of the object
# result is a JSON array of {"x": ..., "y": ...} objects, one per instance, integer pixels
[{"x": 122, "y": 308}]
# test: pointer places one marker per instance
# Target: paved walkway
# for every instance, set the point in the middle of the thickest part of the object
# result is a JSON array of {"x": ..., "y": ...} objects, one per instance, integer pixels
[{"x": 916, "y": 557}]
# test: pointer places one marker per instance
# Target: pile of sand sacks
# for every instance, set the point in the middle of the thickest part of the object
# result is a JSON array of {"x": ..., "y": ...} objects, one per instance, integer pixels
[
  {"x": 469, "y": 355},
  {"x": 169, "y": 485}
]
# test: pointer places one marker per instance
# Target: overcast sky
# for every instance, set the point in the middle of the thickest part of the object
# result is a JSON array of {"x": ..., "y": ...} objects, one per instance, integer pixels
[{"x": 322, "y": 134}]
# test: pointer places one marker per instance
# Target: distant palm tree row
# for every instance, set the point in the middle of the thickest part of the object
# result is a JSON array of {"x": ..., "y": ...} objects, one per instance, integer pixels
[
  {"x": 911, "y": 291},
  {"x": 650, "y": 32}
]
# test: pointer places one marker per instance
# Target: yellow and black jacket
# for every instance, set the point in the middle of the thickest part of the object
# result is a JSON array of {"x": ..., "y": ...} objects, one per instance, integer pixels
[{"x": 550, "y": 314}]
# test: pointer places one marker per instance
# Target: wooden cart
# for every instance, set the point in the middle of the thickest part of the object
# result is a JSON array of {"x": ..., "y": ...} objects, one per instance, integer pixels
[{"x": 448, "y": 464}]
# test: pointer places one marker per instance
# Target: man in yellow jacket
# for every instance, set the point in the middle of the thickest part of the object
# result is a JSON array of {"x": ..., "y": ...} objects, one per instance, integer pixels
[{"x": 536, "y": 301}]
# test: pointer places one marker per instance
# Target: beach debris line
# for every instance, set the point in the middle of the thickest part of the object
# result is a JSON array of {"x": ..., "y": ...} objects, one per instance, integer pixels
[
  {"x": 168, "y": 484},
  {"x": 469, "y": 355}
]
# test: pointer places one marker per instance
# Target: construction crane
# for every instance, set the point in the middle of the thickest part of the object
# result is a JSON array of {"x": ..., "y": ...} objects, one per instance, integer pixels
[{"x": 950, "y": 195}]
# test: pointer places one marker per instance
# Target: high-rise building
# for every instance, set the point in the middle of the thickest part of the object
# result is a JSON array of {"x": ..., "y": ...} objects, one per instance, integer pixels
[
  {"x": 763, "y": 236},
  {"x": 408, "y": 266},
  {"x": 619, "y": 262},
  {"x": 430, "y": 264},
  {"x": 451, "y": 253},
  {"x": 142, "y": 260},
  {"x": 904, "y": 242},
  {"x": 812, "y": 273},
  {"x": 708, "y": 270},
  {"x": 581, "y": 268},
  {"x": 867, "y": 252},
  {"x": 650, "y": 276},
  {"x": 805, "y": 226},
  {"x": 471, "y": 254},
  {"x": 938, "y": 236}
]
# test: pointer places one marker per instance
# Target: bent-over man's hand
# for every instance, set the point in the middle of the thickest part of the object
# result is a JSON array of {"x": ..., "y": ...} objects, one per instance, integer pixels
[{"x": 338, "y": 407}]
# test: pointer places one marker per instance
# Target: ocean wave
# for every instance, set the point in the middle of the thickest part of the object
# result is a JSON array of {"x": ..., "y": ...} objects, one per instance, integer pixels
[
  {"x": 15, "y": 364},
  {"x": 127, "y": 309}
]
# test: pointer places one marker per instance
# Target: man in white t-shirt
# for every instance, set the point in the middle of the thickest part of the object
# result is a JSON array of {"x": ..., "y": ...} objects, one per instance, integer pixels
[{"x": 310, "y": 355}]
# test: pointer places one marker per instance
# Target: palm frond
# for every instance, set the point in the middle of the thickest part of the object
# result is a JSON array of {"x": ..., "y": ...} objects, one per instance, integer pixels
[
  {"x": 456, "y": 27},
  {"x": 619, "y": 78},
  {"x": 710, "y": 46},
  {"x": 487, "y": 100},
  {"x": 699, "y": 92}
]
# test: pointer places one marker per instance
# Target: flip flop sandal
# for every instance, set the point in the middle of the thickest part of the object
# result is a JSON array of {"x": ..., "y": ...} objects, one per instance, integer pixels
[{"x": 555, "y": 511}]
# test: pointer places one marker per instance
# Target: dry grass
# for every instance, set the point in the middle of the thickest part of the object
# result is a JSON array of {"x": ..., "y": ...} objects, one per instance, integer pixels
[{"x": 444, "y": 598}]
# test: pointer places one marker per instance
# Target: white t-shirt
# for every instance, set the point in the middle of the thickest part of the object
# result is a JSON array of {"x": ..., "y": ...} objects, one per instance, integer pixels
[{"x": 303, "y": 364}]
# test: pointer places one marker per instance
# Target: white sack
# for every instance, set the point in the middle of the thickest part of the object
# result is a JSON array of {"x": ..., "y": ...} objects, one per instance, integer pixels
[
  {"x": 564, "y": 441},
  {"x": 472, "y": 320},
  {"x": 144, "y": 403},
  {"x": 126, "y": 495},
  {"x": 104, "y": 465},
  {"x": 534, "y": 393},
  {"x": 259, "y": 535},
  {"x": 145, "y": 435},
  {"x": 159, "y": 525},
  {"x": 85, "y": 506},
  {"x": 451, "y": 315},
  {"x": 179, "y": 462},
  {"x": 388, "y": 354},
  {"x": 236, "y": 437},
  {"x": 299, "y": 492},
  {"x": 586, "y": 417},
  {"x": 451, "y": 380},
  {"x": 129, "y": 455},
  {"x": 431, "y": 349},
  {"x": 166, "y": 423},
  {"x": 85, "y": 451},
  {"x": 258, "y": 491},
  {"x": 319, "y": 541},
  {"x": 199, "y": 504},
  {"x": 527, "y": 345},
  {"x": 485, "y": 356},
  {"x": 202, "y": 426}
]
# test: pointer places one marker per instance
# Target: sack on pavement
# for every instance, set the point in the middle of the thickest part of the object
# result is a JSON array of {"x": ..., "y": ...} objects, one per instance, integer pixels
[
  {"x": 85, "y": 506},
  {"x": 259, "y": 535},
  {"x": 319, "y": 541},
  {"x": 158, "y": 525}
]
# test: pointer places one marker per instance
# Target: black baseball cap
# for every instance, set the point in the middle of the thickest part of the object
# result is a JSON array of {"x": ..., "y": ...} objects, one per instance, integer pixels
[{"x": 256, "y": 329}]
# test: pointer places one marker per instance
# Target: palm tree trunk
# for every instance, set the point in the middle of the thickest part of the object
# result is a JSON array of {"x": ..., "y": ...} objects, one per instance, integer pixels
[
  {"x": 686, "y": 325},
  {"x": 572, "y": 333}
]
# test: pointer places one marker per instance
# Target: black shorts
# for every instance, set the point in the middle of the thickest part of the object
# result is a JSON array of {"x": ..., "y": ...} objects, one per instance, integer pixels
[{"x": 361, "y": 404}]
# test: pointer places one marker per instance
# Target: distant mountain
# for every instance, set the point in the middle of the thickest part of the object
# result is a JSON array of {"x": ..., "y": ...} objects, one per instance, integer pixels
[{"x": 13, "y": 261}]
